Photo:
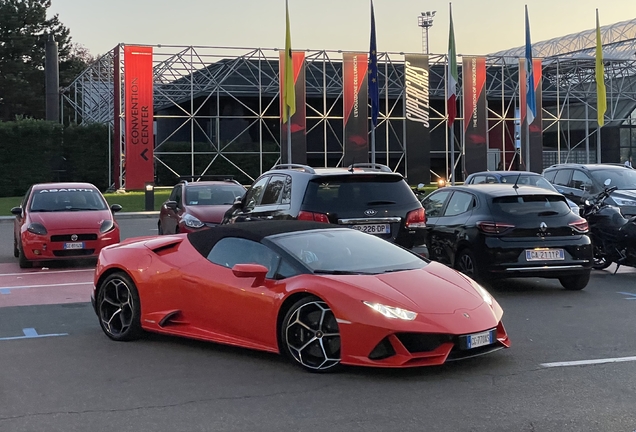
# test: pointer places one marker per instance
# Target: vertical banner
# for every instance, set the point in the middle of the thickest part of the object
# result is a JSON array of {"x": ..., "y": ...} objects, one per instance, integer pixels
[
  {"x": 417, "y": 108},
  {"x": 475, "y": 114},
  {"x": 535, "y": 131},
  {"x": 355, "y": 110},
  {"x": 139, "y": 116},
  {"x": 117, "y": 149},
  {"x": 299, "y": 119}
]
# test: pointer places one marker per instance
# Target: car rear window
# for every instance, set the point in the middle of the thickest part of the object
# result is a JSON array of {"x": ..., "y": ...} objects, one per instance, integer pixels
[
  {"x": 335, "y": 193},
  {"x": 526, "y": 205}
]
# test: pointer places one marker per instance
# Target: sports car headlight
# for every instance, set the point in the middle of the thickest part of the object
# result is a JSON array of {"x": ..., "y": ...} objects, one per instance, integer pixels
[
  {"x": 37, "y": 228},
  {"x": 624, "y": 202},
  {"x": 106, "y": 226},
  {"x": 485, "y": 295},
  {"x": 392, "y": 312},
  {"x": 192, "y": 222}
]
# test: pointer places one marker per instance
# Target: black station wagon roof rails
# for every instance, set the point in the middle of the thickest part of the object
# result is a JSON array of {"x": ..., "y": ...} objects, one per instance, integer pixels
[
  {"x": 206, "y": 177},
  {"x": 377, "y": 166},
  {"x": 305, "y": 168}
]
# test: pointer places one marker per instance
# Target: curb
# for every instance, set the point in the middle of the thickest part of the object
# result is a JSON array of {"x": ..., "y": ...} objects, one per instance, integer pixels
[{"x": 118, "y": 216}]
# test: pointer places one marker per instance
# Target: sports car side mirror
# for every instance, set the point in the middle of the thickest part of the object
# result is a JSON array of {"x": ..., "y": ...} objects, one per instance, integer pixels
[
  {"x": 16, "y": 211},
  {"x": 115, "y": 208},
  {"x": 256, "y": 271}
]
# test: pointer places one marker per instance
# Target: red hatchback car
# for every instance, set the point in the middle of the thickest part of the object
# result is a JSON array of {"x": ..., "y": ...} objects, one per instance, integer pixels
[
  {"x": 195, "y": 205},
  {"x": 59, "y": 221}
]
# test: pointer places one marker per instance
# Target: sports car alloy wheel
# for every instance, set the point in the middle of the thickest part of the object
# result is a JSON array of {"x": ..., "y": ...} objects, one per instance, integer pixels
[
  {"x": 310, "y": 335},
  {"x": 118, "y": 308}
]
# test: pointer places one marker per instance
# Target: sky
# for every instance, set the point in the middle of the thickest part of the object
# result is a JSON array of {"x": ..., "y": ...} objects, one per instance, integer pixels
[{"x": 481, "y": 26}]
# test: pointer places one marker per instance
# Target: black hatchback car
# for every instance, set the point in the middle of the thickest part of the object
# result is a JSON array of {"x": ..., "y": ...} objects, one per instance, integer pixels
[
  {"x": 366, "y": 197},
  {"x": 580, "y": 182},
  {"x": 496, "y": 231}
]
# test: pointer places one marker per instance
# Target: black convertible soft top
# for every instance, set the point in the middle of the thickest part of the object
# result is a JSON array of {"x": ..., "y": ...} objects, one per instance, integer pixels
[{"x": 203, "y": 241}]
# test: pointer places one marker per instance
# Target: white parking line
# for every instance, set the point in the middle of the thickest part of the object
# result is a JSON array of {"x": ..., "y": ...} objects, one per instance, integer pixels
[
  {"x": 46, "y": 272},
  {"x": 49, "y": 285},
  {"x": 589, "y": 362}
]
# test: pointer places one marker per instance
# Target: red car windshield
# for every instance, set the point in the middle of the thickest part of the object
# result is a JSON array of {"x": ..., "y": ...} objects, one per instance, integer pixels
[
  {"x": 48, "y": 200},
  {"x": 213, "y": 194}
]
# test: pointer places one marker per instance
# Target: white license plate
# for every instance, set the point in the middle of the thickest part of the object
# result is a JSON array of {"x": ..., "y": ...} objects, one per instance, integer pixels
[
  {"x": 373, "y": 228},
  {"x": 545, "y": 255},
  {"x": 480, "y": 339},
  {"x": 77, "y": 245}
]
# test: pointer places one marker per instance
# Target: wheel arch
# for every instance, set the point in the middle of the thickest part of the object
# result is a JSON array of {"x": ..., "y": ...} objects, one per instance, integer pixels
[
  {"x": 110, "y": 271},
  {"x": 461, "y": 246},
  {"x": 284, "y": 308}
]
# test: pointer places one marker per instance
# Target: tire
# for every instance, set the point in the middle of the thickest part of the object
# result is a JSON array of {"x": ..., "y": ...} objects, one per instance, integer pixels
[
  {"x": 22, "y": 261},
  {"x": 601, "y": 263},
  {"x": 118, "y": 308},
  {"x": 466, "y": 263},
  {"x": 159, "y": 229},
  {"x": 16, "y": 251},
  {"x": 575, "y": 283},
  {"x": 310, "y": 337}
]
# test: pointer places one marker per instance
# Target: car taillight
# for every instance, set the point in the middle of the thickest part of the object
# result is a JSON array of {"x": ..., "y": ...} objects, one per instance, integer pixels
[
  {"x": 494, "y": 227},
  {"x": 311, "y": 216},
  {"x": 416, "y": 219},
  {"x": 580, "y": 226}
]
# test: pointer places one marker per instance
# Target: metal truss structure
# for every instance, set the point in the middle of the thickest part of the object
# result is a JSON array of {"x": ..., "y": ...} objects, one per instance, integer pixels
[{"x": 219, "y": 106}]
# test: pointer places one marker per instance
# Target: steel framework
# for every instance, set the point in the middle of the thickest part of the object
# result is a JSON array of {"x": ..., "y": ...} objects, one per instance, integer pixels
[{"x": 222, "y": 103}]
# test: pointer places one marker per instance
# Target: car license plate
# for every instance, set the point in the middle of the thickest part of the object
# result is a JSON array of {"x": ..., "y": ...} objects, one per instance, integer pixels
[
  {"x": 373, "y": 228},
  {"x": 545, "y": 255},
  {"x": 75, "y": 245},
  {"x": 479, "y": 339}
]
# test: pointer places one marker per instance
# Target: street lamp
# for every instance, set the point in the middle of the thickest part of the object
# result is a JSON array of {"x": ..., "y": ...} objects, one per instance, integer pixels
[{"x": 425, "y": 20}]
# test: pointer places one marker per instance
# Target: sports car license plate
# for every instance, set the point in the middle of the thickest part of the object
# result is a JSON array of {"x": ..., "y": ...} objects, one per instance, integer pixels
[
  {"x": 478, "y": 339},
  {"x": 545, "y": 255},
  {"x": 373, "y": 228},
  {"x": 75, "y": 245}
]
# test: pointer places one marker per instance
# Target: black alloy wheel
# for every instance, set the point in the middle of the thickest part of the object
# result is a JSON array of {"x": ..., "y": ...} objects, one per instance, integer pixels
[
  {"x": 159, "y": 229},
  {"x": 575, "y": 282},
  {"x": 118, "y": 308},
  {"x": 310, "y": 335},
  {"x": 16, "y": 251},
  {"x": 466, "y": 263}
]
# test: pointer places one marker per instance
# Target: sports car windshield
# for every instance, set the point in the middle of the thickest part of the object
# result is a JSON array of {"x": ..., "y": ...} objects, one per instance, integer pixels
[
  {"x": 347, "y": 251},
  {"x": 60, "y": 200}
]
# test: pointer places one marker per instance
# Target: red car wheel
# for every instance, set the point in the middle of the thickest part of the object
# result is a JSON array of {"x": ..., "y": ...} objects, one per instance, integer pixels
[
  {"x": 118, "y": 308},
  {"x": 310, "y": 335}
]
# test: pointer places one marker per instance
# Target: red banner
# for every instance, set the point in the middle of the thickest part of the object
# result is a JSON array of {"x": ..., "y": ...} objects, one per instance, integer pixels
[
  {"x": 139, "y": 116},
  {"x": 299, "y": 119},
  {"x": 475, "y": 114},
  {"x": 355, "y": 114}
]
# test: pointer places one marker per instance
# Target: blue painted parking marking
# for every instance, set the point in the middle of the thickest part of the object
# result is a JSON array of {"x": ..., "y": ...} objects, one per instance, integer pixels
[
  {"x": 630, "y": 296},
  {"x": 5, "y": 291},
  {"x": 30, "y": 333}
]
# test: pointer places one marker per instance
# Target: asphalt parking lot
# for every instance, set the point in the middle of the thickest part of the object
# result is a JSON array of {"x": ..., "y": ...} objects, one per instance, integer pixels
[{"x": 571, "y": 367}]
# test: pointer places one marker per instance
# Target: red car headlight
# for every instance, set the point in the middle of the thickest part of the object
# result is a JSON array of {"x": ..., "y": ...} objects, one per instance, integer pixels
[
  {"x": 37, "y": 228},
  {"x": 107, "y": 225}
]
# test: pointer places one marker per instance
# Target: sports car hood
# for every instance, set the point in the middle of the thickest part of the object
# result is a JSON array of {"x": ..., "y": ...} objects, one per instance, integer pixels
[
  {"x": 434, "y": 289},
  {"x": 79, "y": 220},
  {"x": 209, "y": 213}
]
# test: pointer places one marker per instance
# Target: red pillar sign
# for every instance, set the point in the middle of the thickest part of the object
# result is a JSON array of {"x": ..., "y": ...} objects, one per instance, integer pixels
[{"x": 139, "y": 116}]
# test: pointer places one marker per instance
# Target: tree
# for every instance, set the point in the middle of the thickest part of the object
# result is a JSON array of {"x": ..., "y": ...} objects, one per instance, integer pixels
[{"x": 24, "y": 30}]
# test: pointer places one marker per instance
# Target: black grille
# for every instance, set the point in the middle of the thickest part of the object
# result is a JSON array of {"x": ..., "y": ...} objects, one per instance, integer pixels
[
  {"x": 382, "y": 350},
  {"x": 422, "y": 342},
  {"x": 67, "y": 237},
  {"x": 74, "y": 252}
]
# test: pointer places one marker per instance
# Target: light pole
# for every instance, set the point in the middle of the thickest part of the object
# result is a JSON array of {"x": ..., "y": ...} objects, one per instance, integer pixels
[{"x": 425, "y": 20}]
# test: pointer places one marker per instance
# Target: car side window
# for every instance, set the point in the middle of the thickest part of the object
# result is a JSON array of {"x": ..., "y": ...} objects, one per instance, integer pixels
[
  {"x": 581, "y": 181},
  {"x": 549, "y": 176},
  {"x": 287, "y": 188},
  {"x": 434, "y": 203},
  {"x": 478, "y": 179},
  {"x": 562, "y": 177},
  {"x": 459, "y": 203},
  {"x": 274, "y": 190},
  {"x": 25, "y": 200},
  {"x": 254, "y": 194},
  {"x": 230, "y": 251}
]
